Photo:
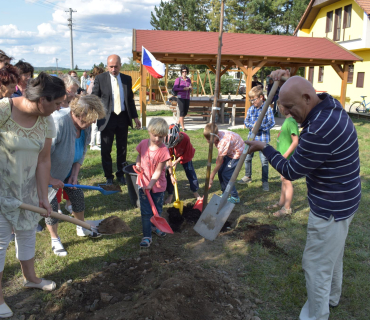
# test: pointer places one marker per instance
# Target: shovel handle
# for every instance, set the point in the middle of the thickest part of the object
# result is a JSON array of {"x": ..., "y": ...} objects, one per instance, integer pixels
[{"x": 56, "y": 215}]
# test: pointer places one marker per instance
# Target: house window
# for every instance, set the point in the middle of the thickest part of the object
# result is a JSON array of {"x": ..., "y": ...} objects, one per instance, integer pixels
[
  {"x": 321, "y": 74},
  {"x": 329, "y": 21},
  {"x": 337, "y": 24},
  {"x": 351, "y": 69},
  {"x": 347, "y": 16},
  {"x": 310, "y": 74},
  {"x": 360, "y": 79}
]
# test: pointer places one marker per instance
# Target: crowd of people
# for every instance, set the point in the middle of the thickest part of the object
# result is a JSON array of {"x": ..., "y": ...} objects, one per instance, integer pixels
[{"x": 47, "y": 124}]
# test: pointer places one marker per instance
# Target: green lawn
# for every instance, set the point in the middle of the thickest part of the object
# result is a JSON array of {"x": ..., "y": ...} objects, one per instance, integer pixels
[{"x": 275, "y": 277}]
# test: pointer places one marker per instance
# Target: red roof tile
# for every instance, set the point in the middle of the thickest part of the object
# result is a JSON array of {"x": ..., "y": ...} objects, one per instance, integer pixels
[
  {"x": 193, "y": 42},
  {"x": 365, "y": 5}
]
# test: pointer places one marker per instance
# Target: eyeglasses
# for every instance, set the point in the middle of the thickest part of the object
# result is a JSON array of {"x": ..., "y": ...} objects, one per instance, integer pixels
[{"x": 252, "y": 101}]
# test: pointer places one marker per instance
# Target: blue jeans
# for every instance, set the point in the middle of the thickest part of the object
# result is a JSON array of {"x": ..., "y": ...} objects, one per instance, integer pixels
[
  {"x": 190, "y": 174},
  {"x": 265, "y": 166},
  {"x": 225, "y": 173},
  {"x": 146, "y": 210}
]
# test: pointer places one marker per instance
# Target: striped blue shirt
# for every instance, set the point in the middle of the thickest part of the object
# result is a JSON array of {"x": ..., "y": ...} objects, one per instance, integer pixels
[
  {"x": 328, "y": 156},
  {"x": 268, "y": 122}
]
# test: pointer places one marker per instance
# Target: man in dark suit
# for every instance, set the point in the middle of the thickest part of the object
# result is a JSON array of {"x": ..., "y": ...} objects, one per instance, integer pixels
[{"x": 115, "y": 91}]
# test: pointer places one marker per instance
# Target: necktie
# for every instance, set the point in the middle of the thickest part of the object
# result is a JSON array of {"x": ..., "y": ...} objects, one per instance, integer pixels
[{"x": 117, "y": 97}]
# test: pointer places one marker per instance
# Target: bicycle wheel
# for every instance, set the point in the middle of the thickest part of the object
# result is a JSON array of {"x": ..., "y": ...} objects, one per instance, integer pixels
[{"x": 357, "y": 107}]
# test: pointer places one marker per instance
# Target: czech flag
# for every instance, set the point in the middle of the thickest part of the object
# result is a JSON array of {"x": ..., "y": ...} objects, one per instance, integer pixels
[{"x": 154, "y": 67}]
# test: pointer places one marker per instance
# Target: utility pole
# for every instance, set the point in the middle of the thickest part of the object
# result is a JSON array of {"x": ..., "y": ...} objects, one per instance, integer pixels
[
  {"x": 70, "y": 28},
  {"x": 56, "y": 60}
]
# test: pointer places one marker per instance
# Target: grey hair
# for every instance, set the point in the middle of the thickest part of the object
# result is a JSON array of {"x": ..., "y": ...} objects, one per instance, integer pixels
[
  {"x": 89, "y": 107},
  {"x": 69, "y": 81}
]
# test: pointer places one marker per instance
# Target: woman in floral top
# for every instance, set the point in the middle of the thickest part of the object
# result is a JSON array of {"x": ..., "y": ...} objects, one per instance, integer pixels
[{"x": 26, "y": 130}]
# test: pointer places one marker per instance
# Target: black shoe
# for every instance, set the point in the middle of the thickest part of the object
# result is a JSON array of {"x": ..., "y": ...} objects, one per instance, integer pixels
[
  {"x": 109, "y": 182},
  {"x": 122, "y": 180}
]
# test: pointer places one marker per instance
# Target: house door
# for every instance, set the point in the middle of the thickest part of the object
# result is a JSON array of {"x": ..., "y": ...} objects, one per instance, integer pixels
[{"x": 310, "y": 74}]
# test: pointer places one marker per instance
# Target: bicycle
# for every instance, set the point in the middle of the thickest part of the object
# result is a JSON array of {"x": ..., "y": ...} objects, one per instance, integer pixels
[{"x": 360, "y": 107}]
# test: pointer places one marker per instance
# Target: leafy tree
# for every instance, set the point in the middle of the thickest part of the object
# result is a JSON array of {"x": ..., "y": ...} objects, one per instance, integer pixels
[
  {"x": 76, "y": 67},
  {"x": 131, "y": 65},
  {"x": 180, "y": 15}
]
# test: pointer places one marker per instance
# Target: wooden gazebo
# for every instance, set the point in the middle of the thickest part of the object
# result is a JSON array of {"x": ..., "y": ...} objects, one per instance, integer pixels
[{"x": 249, "y": 52}]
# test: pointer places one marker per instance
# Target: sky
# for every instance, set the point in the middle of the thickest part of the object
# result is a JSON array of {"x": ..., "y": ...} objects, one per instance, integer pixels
[{"x": 37, "y": 30}]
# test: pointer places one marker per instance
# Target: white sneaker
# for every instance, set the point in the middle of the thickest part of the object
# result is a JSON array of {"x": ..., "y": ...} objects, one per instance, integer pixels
[
  {"x": 5, "y": 311},
  {"x": 57, "y": 247},
  {"x": 96, "y": 148},
  {"x": 69, "y": 208},
  {"x": 82, "y": 232}
]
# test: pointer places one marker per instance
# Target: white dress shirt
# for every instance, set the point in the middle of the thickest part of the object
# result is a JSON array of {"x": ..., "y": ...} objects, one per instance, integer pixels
[{"x": 120, "y": 90}]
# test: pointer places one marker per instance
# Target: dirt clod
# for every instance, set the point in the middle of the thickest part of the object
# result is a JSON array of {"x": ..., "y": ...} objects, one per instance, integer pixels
[{"x": 113, "y": 225}]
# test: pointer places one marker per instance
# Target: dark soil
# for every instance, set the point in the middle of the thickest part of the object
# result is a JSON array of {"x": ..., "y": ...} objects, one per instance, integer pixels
[
  {"x": 262, "y": 234},
  {"x": 113, "y": 225},
  {"x": 189, "y": 215},
  {"x": 156, "y": 285},
  {"x": 111, "y": 187}
]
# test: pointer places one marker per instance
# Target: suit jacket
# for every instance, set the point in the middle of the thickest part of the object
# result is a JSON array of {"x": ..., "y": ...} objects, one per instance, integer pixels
[{"x": 103, "y": 89}]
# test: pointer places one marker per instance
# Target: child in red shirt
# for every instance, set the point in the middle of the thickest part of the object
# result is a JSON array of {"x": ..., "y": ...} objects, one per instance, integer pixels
[
  {"x": 180, "y": 146},
  {"x": 151, "y": 161}
]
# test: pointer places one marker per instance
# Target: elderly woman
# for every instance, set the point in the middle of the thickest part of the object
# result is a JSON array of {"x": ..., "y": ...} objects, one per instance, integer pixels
[
  {"x": 9, "y": 78},
  {"x": 73, "y": 126},
  {"x": 25, "y": 73},
  {"x": 72, "y": 86},
  {"x": 26, "y": 130}
]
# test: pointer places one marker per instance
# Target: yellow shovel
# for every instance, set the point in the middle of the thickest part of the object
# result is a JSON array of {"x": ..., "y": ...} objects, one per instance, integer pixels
[{"x": 177, "y": 204}]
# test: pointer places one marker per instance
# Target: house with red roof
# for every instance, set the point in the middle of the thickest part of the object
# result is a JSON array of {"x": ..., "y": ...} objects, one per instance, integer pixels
[{"x": 347, "y": 23}]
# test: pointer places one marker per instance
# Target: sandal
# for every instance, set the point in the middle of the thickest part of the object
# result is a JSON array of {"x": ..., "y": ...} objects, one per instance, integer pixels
[
  {"x": 158, "y": 232},
  {"x": 146, "y": 242},
  {"x": 282, "y": 213},
  {"x": 273, "y": 206}
]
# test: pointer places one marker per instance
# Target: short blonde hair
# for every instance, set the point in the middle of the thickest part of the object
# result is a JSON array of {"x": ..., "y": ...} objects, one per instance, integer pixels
[
  {"x": 158, "y": 126},
  {"x": 69, "y": 81},
  {"x": 256, "y": 92},
  {"x": 89, "y": 108},
  {"x": 208, "y": 130}
]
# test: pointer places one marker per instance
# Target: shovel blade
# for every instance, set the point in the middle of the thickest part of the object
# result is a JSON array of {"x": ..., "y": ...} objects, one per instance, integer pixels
[
  {"x": 212, "y": 219},
  {"x": 199, "y": 205},
  {"x": 161, "y": 224}
]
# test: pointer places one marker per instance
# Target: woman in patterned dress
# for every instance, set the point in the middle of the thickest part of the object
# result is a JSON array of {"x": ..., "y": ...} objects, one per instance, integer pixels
[{"x": 26, "y": 130}]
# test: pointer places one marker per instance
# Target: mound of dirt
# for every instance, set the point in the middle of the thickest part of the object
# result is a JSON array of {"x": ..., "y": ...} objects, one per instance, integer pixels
[
  {"x": 156, "y": 285},
  {"x": 113, "y": 225},
  {"x": 189, "y": 215}
]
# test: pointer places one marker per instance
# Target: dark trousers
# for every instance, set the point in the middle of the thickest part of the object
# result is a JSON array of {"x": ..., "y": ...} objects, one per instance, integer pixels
[
  {"x": 190, "y": 174},
  {"x": 225, "y": 173},
  {"x": 117, "y": 125}
]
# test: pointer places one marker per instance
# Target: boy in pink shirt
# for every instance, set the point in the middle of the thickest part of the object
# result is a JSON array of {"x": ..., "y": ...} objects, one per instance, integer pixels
[
  {"x": 151, "y": 161},
  {"x": 230, "y": 147}
]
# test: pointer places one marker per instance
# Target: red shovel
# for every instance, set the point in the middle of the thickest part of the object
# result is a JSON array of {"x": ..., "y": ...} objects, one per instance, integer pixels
[
  {"x": 157, "y": 220},
  {"x": 199, "y": 205}
]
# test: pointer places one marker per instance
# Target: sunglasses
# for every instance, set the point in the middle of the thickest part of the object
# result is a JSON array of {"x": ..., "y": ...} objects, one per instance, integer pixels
[{"x": 184, "y": 71}]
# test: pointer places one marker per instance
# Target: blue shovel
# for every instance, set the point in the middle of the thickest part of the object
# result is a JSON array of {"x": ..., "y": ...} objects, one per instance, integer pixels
[{"x": 104, "y": 192}]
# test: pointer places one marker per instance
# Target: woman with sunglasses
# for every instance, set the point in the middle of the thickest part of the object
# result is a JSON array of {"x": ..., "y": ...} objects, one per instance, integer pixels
[{"x": 183, "y": 88}]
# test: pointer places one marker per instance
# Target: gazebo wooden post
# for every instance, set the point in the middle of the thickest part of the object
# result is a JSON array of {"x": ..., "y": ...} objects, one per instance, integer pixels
[
  {"x": 343, "y": 74},
  {"x": 143, "y": 95},
  {"x": 166, "y": 80},
  {"x": 198, "y": 76},
  {"x": 210, "y": 82},
  {"x": 150, "y": 89},
  {"x": 248, "y": 86},
  {"x": 343, "y": 89}
]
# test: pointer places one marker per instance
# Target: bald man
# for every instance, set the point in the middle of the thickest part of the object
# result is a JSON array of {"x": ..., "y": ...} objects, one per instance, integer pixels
[
  {"x": 327, "y": 155},
  {"x": 115, "y": 91}
]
